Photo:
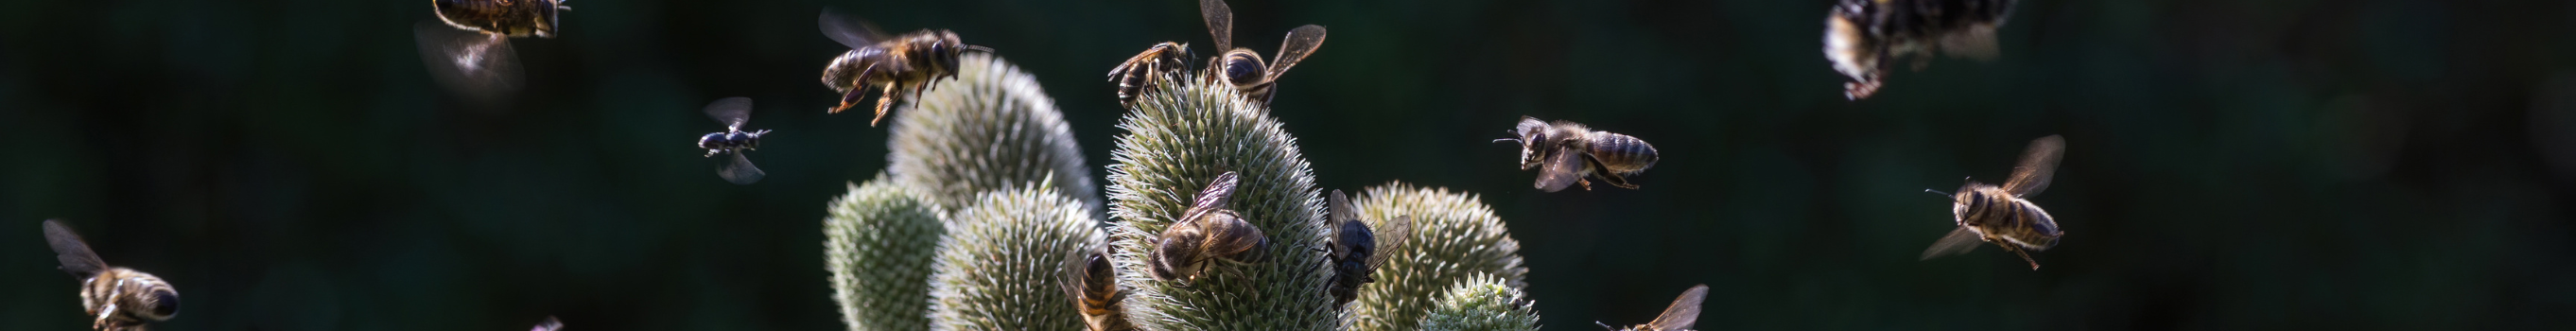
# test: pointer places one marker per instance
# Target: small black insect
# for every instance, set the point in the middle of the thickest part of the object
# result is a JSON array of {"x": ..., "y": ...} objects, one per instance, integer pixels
[{"x": 733, "y": 112}]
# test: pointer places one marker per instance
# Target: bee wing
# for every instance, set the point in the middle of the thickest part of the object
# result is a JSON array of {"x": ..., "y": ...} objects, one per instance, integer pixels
[
  {"x": 1563, "y": 167},
  {"x": 1974, "y": 42},
  {"x": 1391, "y": 236},
  {"x": 1958, "y": 241},
  {"x": 1301, "y": 42},
  {"x": 740, "y": 171},
  {"x": 848, "y": 31},
  {"x": 1220, "y": 22},
  {"x": 1217, "y": 193},
  {"x": 1232, "y": 236},
  {"x": 550, "y": 324},
  {"x": 71, "y": 251},
  {"x": 1683, "y": 313},
  {"x": 730, "y": 111},
  {"x": 474, "y": 64},
  {"x": 2038, "y": 163}
]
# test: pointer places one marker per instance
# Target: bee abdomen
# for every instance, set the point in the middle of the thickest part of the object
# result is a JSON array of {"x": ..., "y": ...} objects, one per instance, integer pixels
[{"x": 1621, "y": 153}]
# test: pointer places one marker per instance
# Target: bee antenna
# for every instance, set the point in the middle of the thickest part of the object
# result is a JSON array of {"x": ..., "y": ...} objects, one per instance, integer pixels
[
  {"x": 986, "y": 50},
  {"x": 1604, "y": 326},
  {"x": 1933, "y": 191},
  {"x": 1508, "y": 139}
]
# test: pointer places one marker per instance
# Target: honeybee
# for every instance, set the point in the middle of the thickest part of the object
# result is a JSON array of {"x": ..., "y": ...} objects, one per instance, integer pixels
[
  {"x": 1242, "y": 67},
  {"x": 1566, "y": 152},
  {"x": 1095, "y": 289},
  {"x": 119, "y": 299},
  {"x": 1862, "y": 35},
  {"x": 900, "y": 67},
  {"x": 733, "y": 112},
  {"x": 1142, "y": 71},
  {"x": 1680, "y": 316},
  {"x": 550, "y": 324},
  {"x": 474, "y": 55},
  {"x": 2003, "y": 215},
  {"x": 1207, "y": 231},
  {"x": 1354, "y": 248}
]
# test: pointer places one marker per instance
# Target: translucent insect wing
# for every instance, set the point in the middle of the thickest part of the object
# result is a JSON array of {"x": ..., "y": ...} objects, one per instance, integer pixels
[
  {"x": 730, "y": 111},
  {"x": 2038, "y": 164},
  {"x": 740, "y": 171}
]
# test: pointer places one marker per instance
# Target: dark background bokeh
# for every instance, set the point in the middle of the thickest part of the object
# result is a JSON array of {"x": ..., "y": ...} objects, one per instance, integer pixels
[{"x": 2364, "y": 164}]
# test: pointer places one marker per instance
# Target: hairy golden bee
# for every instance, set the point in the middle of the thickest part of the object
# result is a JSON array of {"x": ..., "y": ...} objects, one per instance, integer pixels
[
  {"x": 1206, "y": 232},
  {"x": 117, "y": 299},
  {"x": 2003, "y": 215},
  {"x": 1242, "y": 67},
  {"x": 1094, "y": 289},
  {"x": 1566, "y": 152},
  {"x": 899, "y": 67},
  {"x": 1156, "y": 64},
  {"x": 1354, "y": 249},
  {"x": 1862, "y": 35},
  {"x": 1680, "y": 316}
]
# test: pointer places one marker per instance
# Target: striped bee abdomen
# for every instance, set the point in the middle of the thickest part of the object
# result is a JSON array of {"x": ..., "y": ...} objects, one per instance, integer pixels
[{"x": 1621, "y": 153}]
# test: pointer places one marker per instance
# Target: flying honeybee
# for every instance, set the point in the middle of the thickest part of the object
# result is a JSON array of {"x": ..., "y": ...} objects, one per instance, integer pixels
[
  {"x": 1095, "y": 289},
  {"x": 472, "y": 54},
  {"x": 733, "y": 112},
  {"x": 1206, "y": 232},
  {"x": 1242, "y": 67},
  {"x": 1566, "y": 152},
  {"x": 2003, "y": 215},
  {"x": 1862, "y": 35},
  {"x": 1680, "y": 316},
  {"x": 899, "y": 67},
  {"x": 550, "y": 324},
  {"x": 118, "y": 299},
  {"x": 1355, "y": 250}
]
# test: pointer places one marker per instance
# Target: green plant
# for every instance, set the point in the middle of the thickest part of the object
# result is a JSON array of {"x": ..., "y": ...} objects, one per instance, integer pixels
[{"x": 993, "y": 143}]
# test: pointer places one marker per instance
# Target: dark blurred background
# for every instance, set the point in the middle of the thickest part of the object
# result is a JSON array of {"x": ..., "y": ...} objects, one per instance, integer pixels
[{"x": 289, "y": 165}]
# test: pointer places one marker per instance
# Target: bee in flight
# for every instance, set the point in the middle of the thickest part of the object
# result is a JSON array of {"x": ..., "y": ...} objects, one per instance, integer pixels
[
  {"x": 472, "y": 54},
  {"x": 1206, "y": 232},
  {"x": 899, "y": 67},
  {"x": 1565, "y": 152},
  {"x": 1095, "y": 290},
  {"x": 1680, "y": 316},
  {"x": 550, "y": 324},
  {"x": 1862, "y": 35},
  {"x": 1156, "y": 65},
  {"x": 733, "y": 112},
  {"x": 2003, "y": 215},
  {"x": 118, "y": 299},
  {"x": 1242, "y": 67},
  {"x": 1355, "y": 251}
]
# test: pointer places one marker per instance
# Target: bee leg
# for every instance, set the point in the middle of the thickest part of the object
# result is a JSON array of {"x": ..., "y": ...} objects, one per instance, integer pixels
[
  {"x": 1587, "y": 183},
  {"x": 1616, "y": 180},
  {"x": 859, "y": 89},
  {"x": 2025, "y": 256},
  {"x": 885, "y": 102}
]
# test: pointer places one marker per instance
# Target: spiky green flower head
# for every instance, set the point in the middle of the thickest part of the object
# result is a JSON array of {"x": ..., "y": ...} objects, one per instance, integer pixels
[
  {"x": 1179, "y": 138},
  {"x": 1005, "y": 264},
  {"x": 878, "y": 242},
  {"x": 1482, "y": 302},
  {"x": 1455, "y": 238},
  {"x": 992, "y": 128}
]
